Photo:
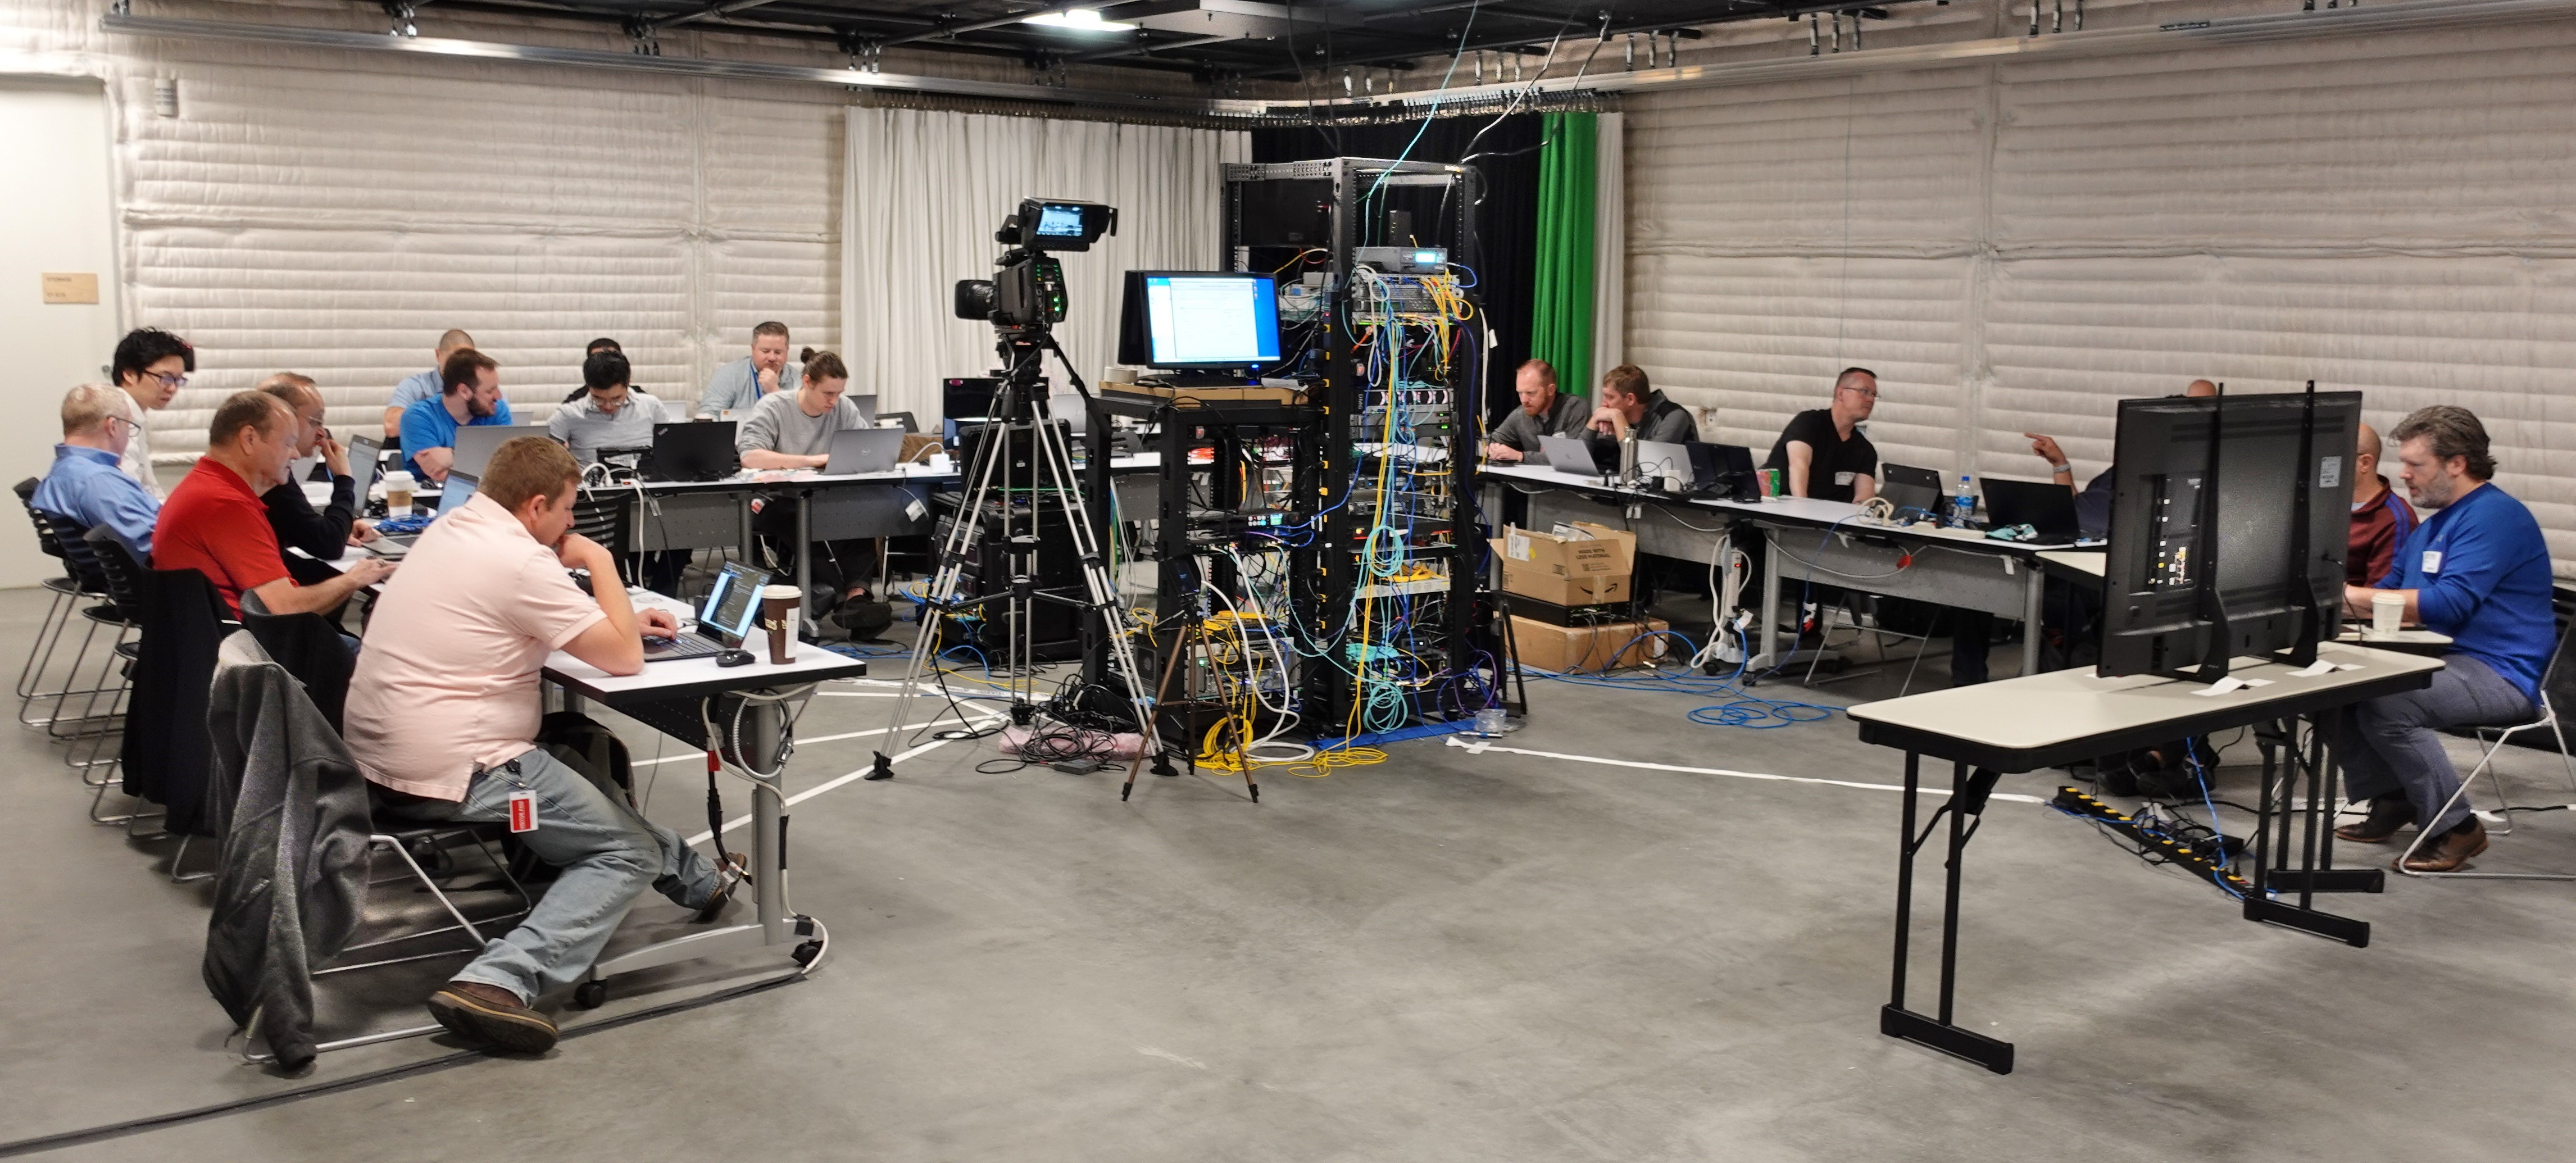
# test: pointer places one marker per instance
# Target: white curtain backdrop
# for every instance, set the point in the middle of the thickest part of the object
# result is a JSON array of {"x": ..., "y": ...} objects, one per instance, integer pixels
[
  {"x": 926, "y": 191},
  {"x": 1610, "y": 249}
]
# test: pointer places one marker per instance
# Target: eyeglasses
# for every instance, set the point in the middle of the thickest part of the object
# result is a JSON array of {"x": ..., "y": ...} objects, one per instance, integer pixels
[
  {"x": 122, "y": 420},
  {"x": 169, "y": 380},
  {"x": 1865, "y": 393}
]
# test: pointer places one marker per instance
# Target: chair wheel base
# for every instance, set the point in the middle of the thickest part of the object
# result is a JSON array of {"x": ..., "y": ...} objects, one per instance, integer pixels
[{"x": 590, "y": 995}]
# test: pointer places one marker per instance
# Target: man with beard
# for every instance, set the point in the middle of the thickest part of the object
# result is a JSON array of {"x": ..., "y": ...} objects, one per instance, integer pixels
[
  {"x": 2478, "y": 571},
  {"x": 471, "y": 396}
]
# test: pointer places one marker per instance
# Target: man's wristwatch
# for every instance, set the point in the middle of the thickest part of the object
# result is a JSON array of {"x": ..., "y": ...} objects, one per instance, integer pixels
[{"x": 2055, "y": 469}]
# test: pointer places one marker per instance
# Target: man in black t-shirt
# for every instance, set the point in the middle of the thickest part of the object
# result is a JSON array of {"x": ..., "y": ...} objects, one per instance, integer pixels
[{"x": 1822, "y": 453}]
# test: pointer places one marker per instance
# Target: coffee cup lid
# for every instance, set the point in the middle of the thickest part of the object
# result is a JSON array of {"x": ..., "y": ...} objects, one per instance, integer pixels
[{"x": 778, "y": 593}]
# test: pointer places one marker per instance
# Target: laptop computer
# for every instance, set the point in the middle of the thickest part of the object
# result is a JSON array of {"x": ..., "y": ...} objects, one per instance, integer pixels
[
  {"x": 1910, "y": 488},
  {"x": 1657, "y": 459},
  {"x": 725, "y": 618},
  {"x": 2046, "y": 506},
  {"x": 857, "y": 450},
  {"x": 1723, "y": 469},
  {"x": 691, "y": 450},
  {"x": 476, "y": 443},
  {"x": 366, "y": 462},
  {"x": 867, "y": 404},
  {"x": 1568, "y": 454}
]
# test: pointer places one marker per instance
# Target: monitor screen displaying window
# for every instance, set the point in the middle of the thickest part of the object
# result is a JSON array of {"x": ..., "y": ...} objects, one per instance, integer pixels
[{"x": 1211, "y": 320}]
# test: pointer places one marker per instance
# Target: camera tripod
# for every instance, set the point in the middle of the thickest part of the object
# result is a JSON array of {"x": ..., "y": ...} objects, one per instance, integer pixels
[{"x": 1019, "y": 407}]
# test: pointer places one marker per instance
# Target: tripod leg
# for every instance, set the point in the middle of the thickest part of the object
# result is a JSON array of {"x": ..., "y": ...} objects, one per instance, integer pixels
[{"x": 1170, "y": 660}]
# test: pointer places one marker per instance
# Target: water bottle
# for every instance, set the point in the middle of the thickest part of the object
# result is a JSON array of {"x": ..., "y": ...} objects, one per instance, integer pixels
[{"x": 1963, "y": 506}]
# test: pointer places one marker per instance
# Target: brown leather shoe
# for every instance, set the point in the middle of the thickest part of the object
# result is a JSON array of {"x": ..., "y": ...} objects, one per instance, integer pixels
[
  {"x": 2387, "y": 815},
  {"x": 725, "y": 884},
  {"x": 490, "y": 1014},
  {"x": 2448, "y": 851}
]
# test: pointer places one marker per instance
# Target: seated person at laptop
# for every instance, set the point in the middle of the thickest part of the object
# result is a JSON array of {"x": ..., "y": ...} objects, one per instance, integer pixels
[
  {"x": 1823, "y": 453},
  {"x": 2093, "y": 500},
  {"x": 603, "y": 343},
  {"x": 1630, "y": 406},
  {"x": 609, "y": 413},
  {"x": 298, "y": 525},
  {"x": 443, "y": 713},
  {"x": 85, "y": 486},
  {"x": 792, "y": 430},
  {"x": 1544, "y": 411},
  {"x": 472, "y": 396},
  {"x": 2477, "y": 570},
  {"x": 215, "y": 523},
  {"x": 425, "y": 385}
]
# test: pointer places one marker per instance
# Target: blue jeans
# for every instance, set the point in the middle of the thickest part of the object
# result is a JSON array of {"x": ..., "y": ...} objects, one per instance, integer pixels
[
  {"x": 609, "y": 854},
  {"x": 2392, "y": 743}
]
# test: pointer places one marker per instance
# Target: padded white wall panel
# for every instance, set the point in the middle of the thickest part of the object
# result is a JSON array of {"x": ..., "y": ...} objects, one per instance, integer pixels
[{"x": 2394, "y": 214}]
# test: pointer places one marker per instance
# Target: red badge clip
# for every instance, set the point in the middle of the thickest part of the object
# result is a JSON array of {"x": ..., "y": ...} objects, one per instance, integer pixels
[{"x": 523, "y": 811}]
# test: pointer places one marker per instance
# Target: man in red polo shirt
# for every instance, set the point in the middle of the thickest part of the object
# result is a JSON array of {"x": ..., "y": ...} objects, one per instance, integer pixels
[{"x": 215, "y": 523}]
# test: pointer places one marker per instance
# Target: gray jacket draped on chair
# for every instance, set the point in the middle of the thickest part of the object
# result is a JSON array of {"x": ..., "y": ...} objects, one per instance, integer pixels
[{"x": 294, "y": 878}]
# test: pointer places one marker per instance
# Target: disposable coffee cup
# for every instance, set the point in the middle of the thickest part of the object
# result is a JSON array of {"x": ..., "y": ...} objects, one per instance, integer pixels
[
  {"x": 778, "y": 612},
  {"x": 2387, "y": 614},
  {"x": 398, "y": 486}
]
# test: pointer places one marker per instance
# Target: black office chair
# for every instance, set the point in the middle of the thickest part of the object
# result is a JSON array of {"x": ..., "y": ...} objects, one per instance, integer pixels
[
  {"x": 183, "y": 621},
  {"x": 309, "y": 647},
  {"x": 68, "y": 591},
  {"x": 91, "y": 582}
]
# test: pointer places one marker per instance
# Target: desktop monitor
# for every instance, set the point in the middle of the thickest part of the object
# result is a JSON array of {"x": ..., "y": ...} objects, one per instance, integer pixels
[
  {"x": 1199, "y": 320},
  {"x": 2197, "y": 575}
]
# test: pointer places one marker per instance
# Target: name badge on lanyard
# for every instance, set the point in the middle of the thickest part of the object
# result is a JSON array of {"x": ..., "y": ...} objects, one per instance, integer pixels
[
  {"x": 2432, "y": 561},
  {"x": 1843, "y": 478}
]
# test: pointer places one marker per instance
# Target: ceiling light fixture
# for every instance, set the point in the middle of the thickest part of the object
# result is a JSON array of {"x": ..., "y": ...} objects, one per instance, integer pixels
[{"x": 1079, "y": 20}]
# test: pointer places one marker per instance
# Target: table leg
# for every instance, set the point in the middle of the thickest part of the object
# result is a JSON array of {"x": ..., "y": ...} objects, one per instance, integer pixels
[
  {"x": 1894, "y": 1020},
  {"x": 2306, "y": 880},
  {"x": 2317, "y": 872},
  {"x": 2034, "y": 594},
  {"x": 1769, "y": 656},
  {"x": 805, "y": 559}
]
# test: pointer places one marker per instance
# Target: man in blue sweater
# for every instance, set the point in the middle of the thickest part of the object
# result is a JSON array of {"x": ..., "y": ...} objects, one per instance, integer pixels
[{"x": 2477, "y": 571}]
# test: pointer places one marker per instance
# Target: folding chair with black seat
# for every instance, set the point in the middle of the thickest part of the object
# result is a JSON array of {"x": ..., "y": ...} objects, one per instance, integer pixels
[
  {"x": 2559, "y": 677},
  {"x": 77, "y": 585},
  {"x": 110, "y": 614},
  {"x": 313, "y": 650},
  {"x": 183, "y": 620}
]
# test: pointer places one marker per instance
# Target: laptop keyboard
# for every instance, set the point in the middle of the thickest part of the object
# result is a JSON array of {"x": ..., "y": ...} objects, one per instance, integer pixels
[{"x": 684, "y": 646}]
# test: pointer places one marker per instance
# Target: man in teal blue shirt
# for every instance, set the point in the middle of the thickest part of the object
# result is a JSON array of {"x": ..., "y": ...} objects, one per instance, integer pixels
[
  {"x": 2478, "y": 571},
  {"x": 471, "y": 397}
]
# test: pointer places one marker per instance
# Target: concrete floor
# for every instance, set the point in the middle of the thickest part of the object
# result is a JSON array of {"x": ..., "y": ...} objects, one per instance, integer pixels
[{"x": 1447, "y": 956}]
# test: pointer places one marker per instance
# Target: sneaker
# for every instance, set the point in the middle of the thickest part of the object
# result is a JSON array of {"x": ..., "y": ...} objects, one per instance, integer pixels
[
  {"x": 2112, "y": 776},
  {"x": 489, "y": 1014},
  {"x": 2387, "y": 815},
  {"x": 2448, "y": 851}
]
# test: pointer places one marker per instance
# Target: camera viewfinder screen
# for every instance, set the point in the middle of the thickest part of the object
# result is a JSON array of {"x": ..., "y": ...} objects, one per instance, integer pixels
[
  {"x": 1055, "y": 221},
  {"x": 1213, "y": 320}
]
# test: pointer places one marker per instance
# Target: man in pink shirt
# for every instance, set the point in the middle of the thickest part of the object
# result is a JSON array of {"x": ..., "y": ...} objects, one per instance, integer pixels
[{"x": 443, "y": 714}]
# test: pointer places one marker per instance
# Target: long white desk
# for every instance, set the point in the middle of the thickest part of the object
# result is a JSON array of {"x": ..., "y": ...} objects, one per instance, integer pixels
[
  {"x": 2044, "y": 720},
  {"x": 1812, "y": 540}
]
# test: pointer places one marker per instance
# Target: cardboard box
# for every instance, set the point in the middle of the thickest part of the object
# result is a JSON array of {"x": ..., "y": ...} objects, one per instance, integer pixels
[
  {"x": 1582, "y": 570},
  {"x": 1586, "y": 590},
  {"x": 1610, "y": 646}
]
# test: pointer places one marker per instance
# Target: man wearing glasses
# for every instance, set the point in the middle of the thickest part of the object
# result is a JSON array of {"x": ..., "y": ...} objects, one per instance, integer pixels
[
  {"x": 85, "y": 484},
  {"x": 297, "y": 523},
  {"x": 1823, "y": 453},
  {"x": 151, "y": 365}
]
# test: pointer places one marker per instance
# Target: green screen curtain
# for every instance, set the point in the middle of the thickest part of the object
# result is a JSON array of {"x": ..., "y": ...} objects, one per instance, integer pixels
[{"x": 1561, "y": 294}]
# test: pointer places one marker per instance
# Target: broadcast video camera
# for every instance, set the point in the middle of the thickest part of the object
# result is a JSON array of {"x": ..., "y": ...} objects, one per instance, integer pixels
[{"x": 1026, "y": 292}]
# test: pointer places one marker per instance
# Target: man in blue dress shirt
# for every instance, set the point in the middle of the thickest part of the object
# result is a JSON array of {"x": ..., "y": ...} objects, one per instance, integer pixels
[
  {"x": 2478, "y": 571},
  {"x": 765, "y": 372},
  {"x": 85, "y": 485},
  {"x": 428, "y": 385}
]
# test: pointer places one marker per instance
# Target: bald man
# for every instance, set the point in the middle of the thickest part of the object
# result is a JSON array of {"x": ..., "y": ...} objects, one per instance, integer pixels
[
  {"x": 427, "y": 385},
  {"x": 2380, "y": 518},
  {"x": 2093, "y": 500}
]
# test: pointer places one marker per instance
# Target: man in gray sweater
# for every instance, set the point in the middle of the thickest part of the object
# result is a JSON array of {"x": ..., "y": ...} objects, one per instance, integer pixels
[
  {"x": 1544, "y": 411},
  {"x": 793, "y": 430},
  {"x": 1630, "y": 404}
]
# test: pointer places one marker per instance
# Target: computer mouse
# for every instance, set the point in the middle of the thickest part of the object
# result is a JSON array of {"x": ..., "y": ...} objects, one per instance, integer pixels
[{"x": 734, "y": 658}]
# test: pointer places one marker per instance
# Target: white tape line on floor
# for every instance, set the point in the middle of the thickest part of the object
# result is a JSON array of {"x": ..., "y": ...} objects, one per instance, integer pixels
[
  {"x": 820, "y": 788},
  {"x": 1480, "y": 746}
]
